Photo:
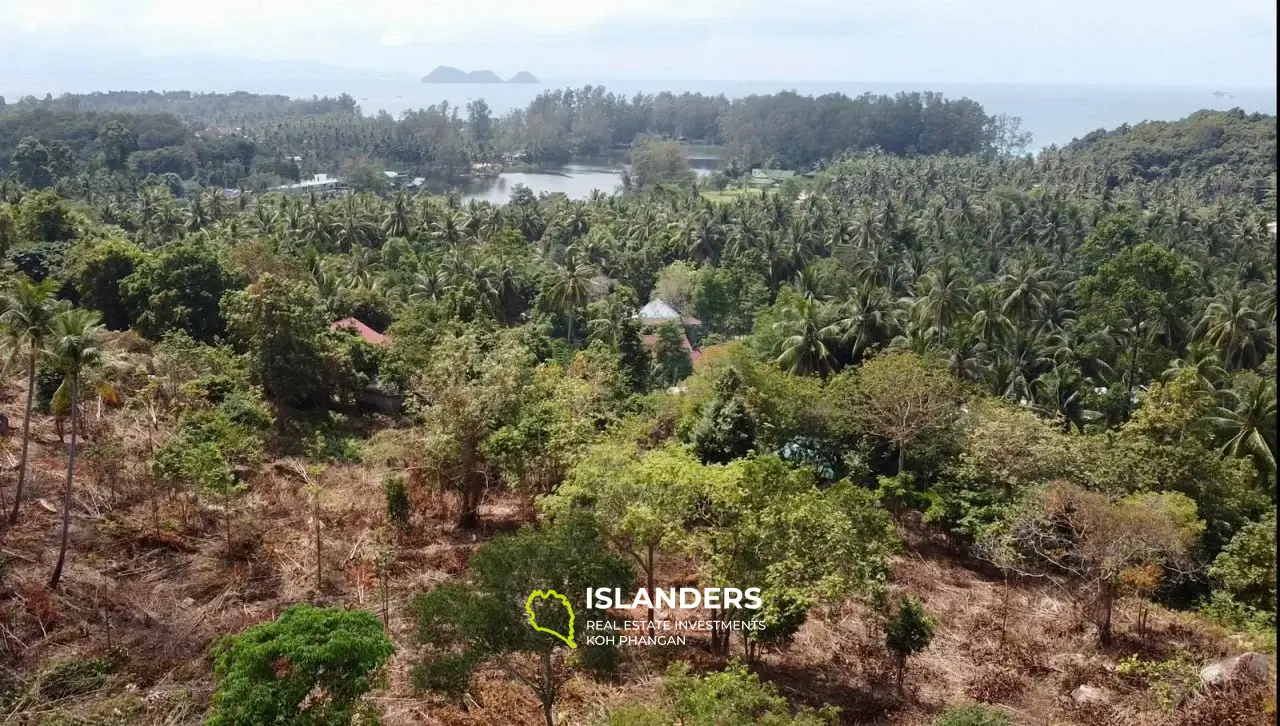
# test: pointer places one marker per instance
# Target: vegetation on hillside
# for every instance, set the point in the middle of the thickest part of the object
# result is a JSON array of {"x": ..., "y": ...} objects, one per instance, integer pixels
[{"x": 997, "y": 426}]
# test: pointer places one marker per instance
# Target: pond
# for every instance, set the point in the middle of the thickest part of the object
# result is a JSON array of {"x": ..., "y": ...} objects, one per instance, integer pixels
[{"x": 575, "y": 181}]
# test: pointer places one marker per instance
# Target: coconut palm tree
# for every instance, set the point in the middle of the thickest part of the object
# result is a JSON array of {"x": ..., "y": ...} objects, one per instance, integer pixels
[
  {"x": 73, "y": 347},
  {"x": 806, "y": 349},
  {"x": 29, "y": 311},
  {"x": 1248, "y": 423},
  {"x": 1231, "y": 323},
  {"x": 571, "y": 287}
]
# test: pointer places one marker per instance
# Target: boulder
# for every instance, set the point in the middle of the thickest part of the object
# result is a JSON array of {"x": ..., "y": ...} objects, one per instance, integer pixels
[
  {"x": 1087, "y": 695},
  {"x": 1255, "y": 666}
]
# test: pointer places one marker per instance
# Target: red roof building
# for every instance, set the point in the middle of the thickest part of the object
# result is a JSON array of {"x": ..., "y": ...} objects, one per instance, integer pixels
[{"x": 369, "y": 335}]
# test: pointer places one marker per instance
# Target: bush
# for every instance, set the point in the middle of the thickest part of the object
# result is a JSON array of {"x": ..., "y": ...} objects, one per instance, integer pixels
[
  {"x": 268, "y": 673},
  {"x": 398, "y": 510},
  {"x": 73, "y": 677},
  {"x": 972, "y": 715}
]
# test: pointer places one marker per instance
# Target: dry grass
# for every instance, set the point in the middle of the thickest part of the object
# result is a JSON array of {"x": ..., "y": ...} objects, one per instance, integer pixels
[{"x": 163, "y": 597}]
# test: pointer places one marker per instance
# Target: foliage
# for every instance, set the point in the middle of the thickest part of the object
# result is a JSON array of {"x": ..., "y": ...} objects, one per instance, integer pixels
[
  {"x": 398, "y": 510},
  {"x": 658, "y": 162},
  {"x": 727, "y": 429},
  {"x": 309, "y": 666},
  {"x": 99, "y": 271},
  {"x": 462, "y": 625},
  {"x": 732, "y": 697},
  {"x": 671, "y": 362},
  {"x": 1070, "y": 534},
  {"x": 177, "y": 289},
  {"x": 908, "y": 632},
  {"x": 764, "y": 518},
  {"x": 1168, "y": 683},
  {"x": 283, "y": 328},
  {"x": 1246, "y": 567},
  {"x": 972, "y": 714},
  {"x": 900, "y": 397}
]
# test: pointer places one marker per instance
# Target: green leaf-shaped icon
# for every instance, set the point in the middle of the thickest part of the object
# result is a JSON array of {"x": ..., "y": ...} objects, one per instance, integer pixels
[{"x": 533, "y": 620}]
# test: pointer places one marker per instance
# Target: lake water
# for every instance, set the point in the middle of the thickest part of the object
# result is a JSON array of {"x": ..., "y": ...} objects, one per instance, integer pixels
[{"x": 575, "y": 181}]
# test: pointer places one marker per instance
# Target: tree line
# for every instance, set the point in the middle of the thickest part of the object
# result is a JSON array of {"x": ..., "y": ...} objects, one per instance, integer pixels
[{"x": 1063, "y": 364}]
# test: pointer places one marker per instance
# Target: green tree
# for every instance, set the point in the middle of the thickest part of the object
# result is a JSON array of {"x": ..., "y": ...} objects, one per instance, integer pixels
[
  {"x": 806, "y": 348},
  {"x": 658, "y": 162},
  {"x": 1248, "y": 421},
  {"x": 464, "y": 625},
  {"x": 117, "y": 143},
  {"x": 1145, "y": 292},
  {"x": 398, "y": 509},
  {"x": 31, "y": 164},
  {"x": 283, "y": 328},
  {"x": 473, "y": 386},
  {"x": 726, "y": 430},
  {"x": 204, "y": 465},
  {"x": 179, "y": 288},
  {"x": 29, "y": 309},
  {"x": 98, "y": 272},
  {"x": 570, "y": 288},
  {"x": 908, "y": 632},
  {"x": 43, "y": 216},
  {"x": 73, "y": 347},
  {"x": 671, "y": 361},
  {"x": 642, "y": 502},
  {"x": 764, "y": 518},
  {"x": 900, "y": 397},
  {"x": 310, "y": 666},
  {"x": 1246, "y": 567}
]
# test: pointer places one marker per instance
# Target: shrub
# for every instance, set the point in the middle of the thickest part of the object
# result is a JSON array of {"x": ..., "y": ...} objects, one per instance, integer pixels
[
  {"x": 972, "y": 715},
  {"x": 272, "y": 672},
  {"x": 398, "y": 510}
]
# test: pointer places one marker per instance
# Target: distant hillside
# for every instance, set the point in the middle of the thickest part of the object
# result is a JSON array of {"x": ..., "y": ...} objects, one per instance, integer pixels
[
  {"x": 1192, "y": 146},
  {"x": 449, "y": 74}
]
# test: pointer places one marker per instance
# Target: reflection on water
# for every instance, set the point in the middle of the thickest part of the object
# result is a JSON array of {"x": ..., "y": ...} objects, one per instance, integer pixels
[{"x": 575, "y": 181}]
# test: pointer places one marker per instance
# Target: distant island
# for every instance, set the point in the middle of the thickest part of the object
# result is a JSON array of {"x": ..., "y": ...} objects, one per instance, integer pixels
[{"x": 449, "y": 74}]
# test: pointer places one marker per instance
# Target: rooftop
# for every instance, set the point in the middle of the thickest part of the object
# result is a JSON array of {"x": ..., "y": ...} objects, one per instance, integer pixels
[
  {"x": 369, "y": 335},
  {"x": 658, "y": 312}
]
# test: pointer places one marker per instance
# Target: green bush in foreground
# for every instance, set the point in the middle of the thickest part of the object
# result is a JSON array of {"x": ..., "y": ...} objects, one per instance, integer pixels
[
  {"x": 972, "y": 715},
  {"x": 309, "y": 667},
  {"x": 732, "y": 697}
]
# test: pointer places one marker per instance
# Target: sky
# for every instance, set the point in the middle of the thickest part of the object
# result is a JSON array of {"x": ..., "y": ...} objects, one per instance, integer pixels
[{"x": 1221, "y": 43}]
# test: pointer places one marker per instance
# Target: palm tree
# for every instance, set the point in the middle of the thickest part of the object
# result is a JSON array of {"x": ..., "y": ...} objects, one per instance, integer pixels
[
  {"x": 570, "y": 290},
  {"x": 1231, "y": 323},
  {"x": 1248, "y": 423},
  {"x": 29, "y": 312},
  {"x": 805, "y": 350},
  {"x": 870, "y": 318},
  {"x": 73, "y": 347}
]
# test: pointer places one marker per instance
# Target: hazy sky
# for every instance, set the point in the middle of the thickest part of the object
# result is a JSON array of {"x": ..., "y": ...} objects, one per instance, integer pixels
[{"x": 1168, "y": 42}]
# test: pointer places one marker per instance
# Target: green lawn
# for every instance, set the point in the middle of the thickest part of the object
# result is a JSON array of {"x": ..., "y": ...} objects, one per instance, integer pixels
[{"x": 728, "y": 195}]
